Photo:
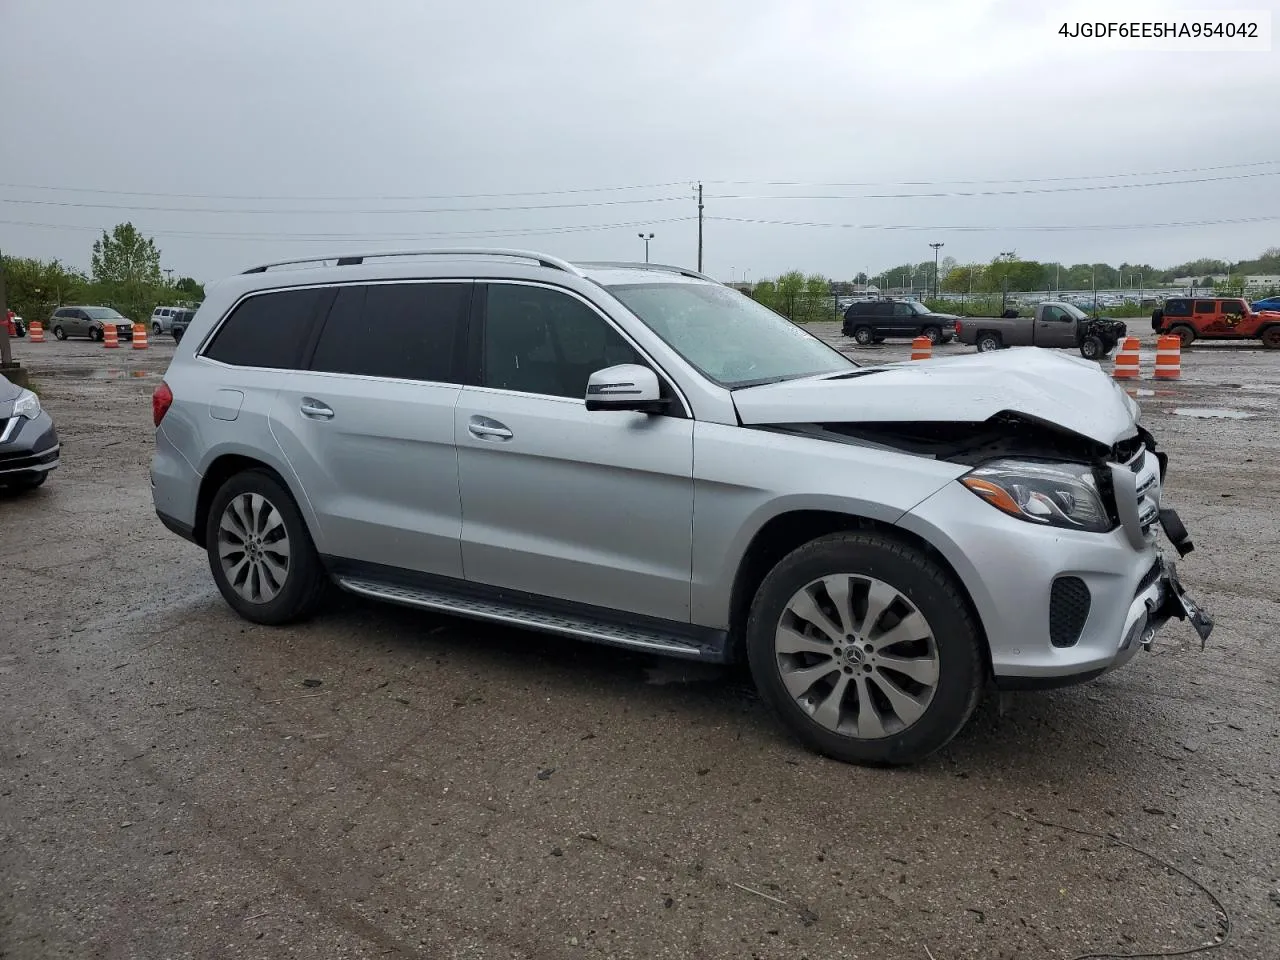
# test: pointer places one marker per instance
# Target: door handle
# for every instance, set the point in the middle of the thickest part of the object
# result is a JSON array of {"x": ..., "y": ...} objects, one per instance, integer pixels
[
  {"x": 315, "y": 409},
  {"x": 485, "y": 429}
]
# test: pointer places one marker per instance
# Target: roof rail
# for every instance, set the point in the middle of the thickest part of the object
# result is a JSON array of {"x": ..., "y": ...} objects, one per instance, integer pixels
[
  {"x": 543, "y": 259},
  {"x": 662, "y": 267}
]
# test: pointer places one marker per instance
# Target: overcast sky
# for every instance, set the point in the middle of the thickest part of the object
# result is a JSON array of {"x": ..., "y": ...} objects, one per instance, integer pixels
[{"x": 288, "y": 123}]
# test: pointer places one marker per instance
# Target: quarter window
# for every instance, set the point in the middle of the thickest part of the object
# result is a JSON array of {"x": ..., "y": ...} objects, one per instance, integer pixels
[{"x": 267, "y": 330}]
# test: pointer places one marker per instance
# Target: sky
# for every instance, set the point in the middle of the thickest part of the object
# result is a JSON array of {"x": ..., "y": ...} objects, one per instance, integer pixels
[{"x": 830, "y": 136}]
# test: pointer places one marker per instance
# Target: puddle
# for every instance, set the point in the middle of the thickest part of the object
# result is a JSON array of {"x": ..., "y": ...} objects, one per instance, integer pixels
[
  {"x": 684, "y": 671},
  {"x": 1211, "y": 413},
  {"x": 108, "y": 373}
]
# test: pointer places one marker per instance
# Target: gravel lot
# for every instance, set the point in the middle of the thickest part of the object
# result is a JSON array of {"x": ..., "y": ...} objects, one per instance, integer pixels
[{"x": 175, "y": 782}]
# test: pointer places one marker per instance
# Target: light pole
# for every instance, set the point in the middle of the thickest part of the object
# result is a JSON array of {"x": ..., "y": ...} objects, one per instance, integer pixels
[
  {"x": 936, "y": 247},
  {"x": 646, "y": 237}
]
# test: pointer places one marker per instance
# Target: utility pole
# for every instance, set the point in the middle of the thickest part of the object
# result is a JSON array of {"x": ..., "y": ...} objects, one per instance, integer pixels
[
  {"x": 6, "y": 352},
  {"x": 699, "y": 226},
  {"x": 936, "y": 248}
]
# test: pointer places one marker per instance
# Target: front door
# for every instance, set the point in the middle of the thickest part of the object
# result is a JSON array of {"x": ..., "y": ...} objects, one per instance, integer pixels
[
  {"x": 1055, "y": 328},
  {"x": 591, "y": 507}
]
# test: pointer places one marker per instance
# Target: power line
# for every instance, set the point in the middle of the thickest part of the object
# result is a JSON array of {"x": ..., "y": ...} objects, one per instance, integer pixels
[
  {"x": 623, "y": 187},
  {"x": 996, "y": 193},
  {"x": 1008, "y": 228},
  {"x": 334, "y": 211},
  {"x": 337, "y": 199},
  {"x": 932, "y": 183},
  {"x": 368, "y": 237}
]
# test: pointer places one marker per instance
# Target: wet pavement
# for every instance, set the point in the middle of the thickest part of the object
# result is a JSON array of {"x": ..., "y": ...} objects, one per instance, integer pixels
[{"x": 175, "y": 782}]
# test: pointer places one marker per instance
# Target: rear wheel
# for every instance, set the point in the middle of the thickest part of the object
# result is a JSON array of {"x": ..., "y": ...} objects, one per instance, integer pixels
[
  {"x": 1271, "y": 338},
  {"x": 988, "y": 341},
  {"x": 866, "y": 649},
  {"x": 863, "y": 335},
  {"x": 1184, "y": 333},
  {"x": 60, "y": 333},
  {"x": 155, "y": 329},
  {"x": 260, "y": 551},
  {"x": 177, "y": 334}
]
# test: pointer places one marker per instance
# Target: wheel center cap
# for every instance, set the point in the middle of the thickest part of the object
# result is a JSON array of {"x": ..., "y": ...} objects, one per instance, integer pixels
[{"x": 854, "y": 656}]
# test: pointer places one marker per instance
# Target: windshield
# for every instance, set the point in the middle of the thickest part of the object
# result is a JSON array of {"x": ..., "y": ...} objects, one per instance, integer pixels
[
  {"x": 727, "y": 336},
  {"x": 101, "y": 313},
  {"x": 1075, "y": 312},
  {"x": 917, "y": 307}
]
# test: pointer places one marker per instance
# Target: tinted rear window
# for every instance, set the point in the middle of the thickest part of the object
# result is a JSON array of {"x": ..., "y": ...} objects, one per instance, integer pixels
[
  {"x": 1206, "y": 306},
  {"x": 1177, "y": 308},
  {"x": 267, "y": 330},
  {"x": 402, "y": 330}
]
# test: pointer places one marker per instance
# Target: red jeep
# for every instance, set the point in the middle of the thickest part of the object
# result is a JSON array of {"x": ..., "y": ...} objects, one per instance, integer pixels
[{"x": 1216, "y": 318}]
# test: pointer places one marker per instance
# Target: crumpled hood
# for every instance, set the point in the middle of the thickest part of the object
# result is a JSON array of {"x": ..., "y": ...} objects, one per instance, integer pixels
[{"x": 1071, "y": 392}]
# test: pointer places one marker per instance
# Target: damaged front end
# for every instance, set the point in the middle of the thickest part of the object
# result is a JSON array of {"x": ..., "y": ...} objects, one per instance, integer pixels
[{"x": 1044, "y": 474}]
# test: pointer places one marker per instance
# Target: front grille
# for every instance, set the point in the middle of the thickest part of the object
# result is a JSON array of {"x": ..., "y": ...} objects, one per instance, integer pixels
[
  {"x": 1069, "y": 603},
  {"x": 1150, "y": 577}
]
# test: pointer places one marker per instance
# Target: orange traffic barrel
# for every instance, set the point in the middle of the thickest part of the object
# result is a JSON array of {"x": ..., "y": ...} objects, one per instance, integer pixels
[
  {"x": 1127, "y": 360},
  {"x": 139, "y": 336},
  {"x": 110, "y": 339},
  {"x": 35, "y": 333},
  {"x": 921, "y": 348},
  {"x": 1168, "y": 358}
]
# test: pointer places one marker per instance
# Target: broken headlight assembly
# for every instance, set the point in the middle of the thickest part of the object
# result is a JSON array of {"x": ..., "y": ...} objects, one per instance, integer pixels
[{"x": 1050, "y": 494}]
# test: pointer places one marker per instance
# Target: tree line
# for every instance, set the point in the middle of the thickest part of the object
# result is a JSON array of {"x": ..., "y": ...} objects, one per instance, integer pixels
[{"x": 125, "y": 273}]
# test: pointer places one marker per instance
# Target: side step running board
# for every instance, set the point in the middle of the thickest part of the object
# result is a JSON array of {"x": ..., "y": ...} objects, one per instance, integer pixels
[{"x": 569, "y": 625}]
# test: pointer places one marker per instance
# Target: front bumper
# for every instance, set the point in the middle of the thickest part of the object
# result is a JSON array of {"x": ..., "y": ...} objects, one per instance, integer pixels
[
  {"x": 28, "y": 448},
  {"x": 1010, "y": 568}
]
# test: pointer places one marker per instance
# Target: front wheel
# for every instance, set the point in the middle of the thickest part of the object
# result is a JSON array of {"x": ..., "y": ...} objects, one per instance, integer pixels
[
  {"x": 1092, "y": 348},
  {"x": 260, "y": 551},
  {"x": 934, "y": 334},
  {"x": 866, "y": 649},
  {"x": 988, "y": 341},
  {"x": 177, "y": 334},
  {"x": 863, "y": 336},
  {"x": 95, "y": 334}
]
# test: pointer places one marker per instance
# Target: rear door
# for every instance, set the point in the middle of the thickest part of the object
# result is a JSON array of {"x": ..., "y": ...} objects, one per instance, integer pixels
[
  {"x": 1206, "y": 317},
  {"x": 367, "y": 425},
  {"x": 594, "y": 507}
]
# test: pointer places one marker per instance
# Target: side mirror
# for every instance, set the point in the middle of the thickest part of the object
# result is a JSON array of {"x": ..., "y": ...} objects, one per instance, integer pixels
[{"x": 628, "y": 386}]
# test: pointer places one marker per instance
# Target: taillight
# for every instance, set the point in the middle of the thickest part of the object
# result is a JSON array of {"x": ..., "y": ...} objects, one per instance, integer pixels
[
  {"x": 161, "y": 400},
  {"x": 959, "y": 327}
]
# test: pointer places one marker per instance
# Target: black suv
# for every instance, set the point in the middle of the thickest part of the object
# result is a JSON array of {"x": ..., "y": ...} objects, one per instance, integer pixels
[{"x": 872, "y": 321}]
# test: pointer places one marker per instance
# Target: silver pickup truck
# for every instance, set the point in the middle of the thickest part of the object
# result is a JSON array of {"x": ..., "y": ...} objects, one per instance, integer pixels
[{"x": 1055, "y": 324}]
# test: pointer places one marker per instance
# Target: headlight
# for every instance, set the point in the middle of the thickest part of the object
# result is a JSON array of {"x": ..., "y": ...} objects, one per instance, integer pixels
[
  {"x": 27, "y": 405},
  {"x": 1053, "y": 494}
]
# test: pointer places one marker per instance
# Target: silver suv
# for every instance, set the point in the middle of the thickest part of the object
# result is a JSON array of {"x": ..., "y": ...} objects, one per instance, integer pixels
[{"x": 640, "y": 456}]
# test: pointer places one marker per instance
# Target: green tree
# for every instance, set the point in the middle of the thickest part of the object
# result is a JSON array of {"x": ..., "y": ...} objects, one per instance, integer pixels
[
  {"x": 187, "y": 288},
  {"x": 126, "y": 257},
  {"x": 790, "y": 293},
  {"x": 765, "y": 292},
  {"x": 37, "y": 287},
  {"x": 818, "y": 302}
]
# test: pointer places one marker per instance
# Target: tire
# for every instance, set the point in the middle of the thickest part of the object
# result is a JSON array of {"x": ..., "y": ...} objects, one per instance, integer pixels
[
  {"x": 944, "y": 650},
  {"x": 95, "y": 334},
  {"x": 878, "y": 340},
  {"x": 988, "y": 341},
  {"x": 933, "y": 333},
  {"x": 23, "y": 486},
  {"x": 863, "y": 336},
  {"x": 177, "y": 335},
  {"x": 155, "y": 330},
  {"x": 60, "y": 333},
  {"x": 1184, "y": 333},
  {"x": 253, "y": 585},
  {"x": 1270, "y": 338},
  {"x": 1092, "y": 348}
]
